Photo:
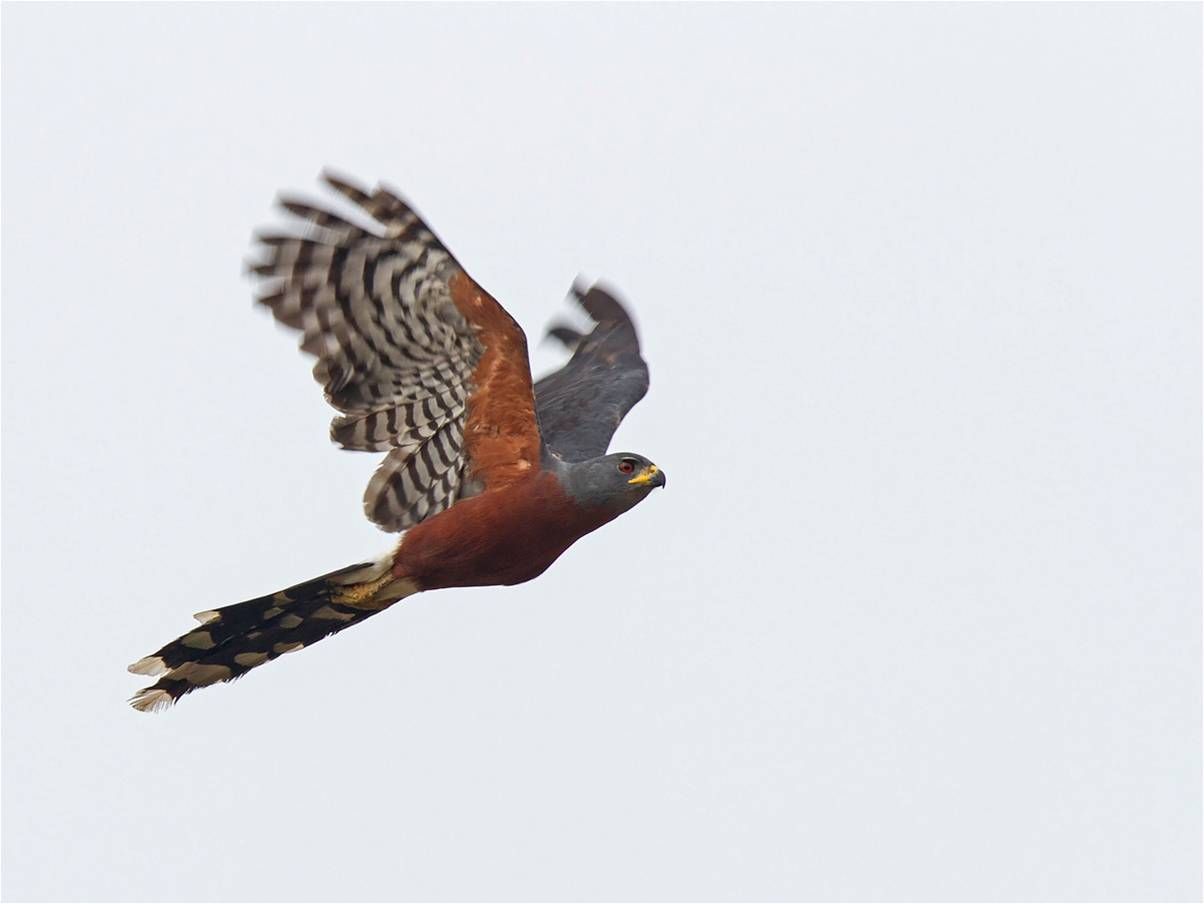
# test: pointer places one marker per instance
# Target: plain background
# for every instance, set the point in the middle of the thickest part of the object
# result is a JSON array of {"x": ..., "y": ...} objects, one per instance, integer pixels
[{"x": 918, "y": 615}]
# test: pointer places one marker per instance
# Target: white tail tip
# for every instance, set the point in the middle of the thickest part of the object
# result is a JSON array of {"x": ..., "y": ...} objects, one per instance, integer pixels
[
  {"x": 149, "y": 665},
  {"x": 150, "y": 699}
]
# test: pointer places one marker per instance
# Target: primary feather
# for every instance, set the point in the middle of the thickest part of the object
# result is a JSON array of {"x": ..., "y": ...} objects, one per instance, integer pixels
[{"x": 582, "y": 404}]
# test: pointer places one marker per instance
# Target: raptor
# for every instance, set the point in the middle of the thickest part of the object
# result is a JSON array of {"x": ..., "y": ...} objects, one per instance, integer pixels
[{"x": 486, "y": 476}]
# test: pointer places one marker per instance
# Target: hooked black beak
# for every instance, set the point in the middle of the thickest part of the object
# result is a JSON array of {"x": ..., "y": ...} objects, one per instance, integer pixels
[{"x": 651, "y": 476}]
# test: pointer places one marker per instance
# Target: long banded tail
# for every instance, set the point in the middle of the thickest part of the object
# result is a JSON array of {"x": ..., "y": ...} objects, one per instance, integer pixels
[{"x": 233, "y": 640}]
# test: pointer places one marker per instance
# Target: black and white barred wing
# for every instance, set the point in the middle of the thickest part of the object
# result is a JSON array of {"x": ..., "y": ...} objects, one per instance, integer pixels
[{"x": 395, "y": 355}]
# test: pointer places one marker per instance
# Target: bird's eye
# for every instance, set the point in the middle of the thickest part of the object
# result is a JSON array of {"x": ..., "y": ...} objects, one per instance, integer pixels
[{"x": 626, "y": 466}]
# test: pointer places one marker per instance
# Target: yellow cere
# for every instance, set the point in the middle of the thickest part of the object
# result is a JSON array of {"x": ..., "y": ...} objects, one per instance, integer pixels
[{"x": 645, "y": 476}]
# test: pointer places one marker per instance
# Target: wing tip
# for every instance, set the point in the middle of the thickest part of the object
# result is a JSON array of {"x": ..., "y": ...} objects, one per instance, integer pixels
[
  {"x": 599, "y": 301},
  {"x": 344, "y": 185},
  {"x": 566, "y": 335}
]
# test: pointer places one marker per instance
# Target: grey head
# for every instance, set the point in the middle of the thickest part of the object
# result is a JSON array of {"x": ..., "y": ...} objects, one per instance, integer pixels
[{"x": 614, "y": 482}]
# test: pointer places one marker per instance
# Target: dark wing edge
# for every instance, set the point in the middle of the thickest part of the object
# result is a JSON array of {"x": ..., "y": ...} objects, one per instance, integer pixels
[{"x": 581, "y": 405}]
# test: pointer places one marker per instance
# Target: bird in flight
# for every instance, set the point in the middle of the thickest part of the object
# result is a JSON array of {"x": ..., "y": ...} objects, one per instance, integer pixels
[{"x": 486, "y": 477}]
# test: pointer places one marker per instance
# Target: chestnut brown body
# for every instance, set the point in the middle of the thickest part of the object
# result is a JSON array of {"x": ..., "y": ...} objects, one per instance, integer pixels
[{"x": 506, "y": 536}]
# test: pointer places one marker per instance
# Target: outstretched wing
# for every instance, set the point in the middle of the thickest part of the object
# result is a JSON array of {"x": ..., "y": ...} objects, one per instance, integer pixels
[
  {"x": 581, "y": 405},
  {"x": 420, "y": 360}
]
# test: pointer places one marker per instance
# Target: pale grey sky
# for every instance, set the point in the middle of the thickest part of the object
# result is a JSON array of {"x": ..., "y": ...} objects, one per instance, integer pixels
[{"x": 918, "y": 615}]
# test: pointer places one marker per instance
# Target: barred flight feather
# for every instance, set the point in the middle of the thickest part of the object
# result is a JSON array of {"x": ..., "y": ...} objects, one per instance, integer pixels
[
  {"x": 395, "y": 355},
  {"x": 415, "y": 482}
]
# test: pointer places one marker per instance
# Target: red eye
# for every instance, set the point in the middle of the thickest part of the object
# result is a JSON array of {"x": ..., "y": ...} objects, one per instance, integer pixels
[{"x": 626, "y": 467}]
